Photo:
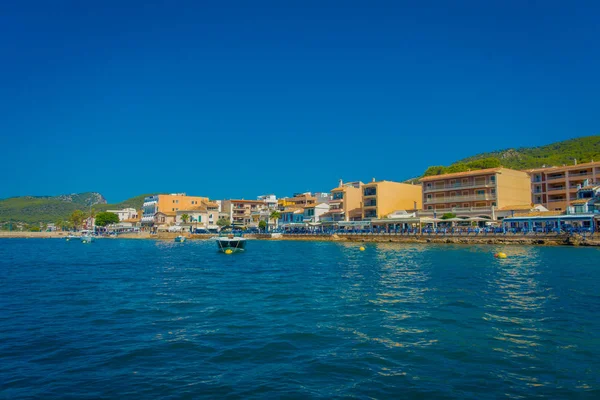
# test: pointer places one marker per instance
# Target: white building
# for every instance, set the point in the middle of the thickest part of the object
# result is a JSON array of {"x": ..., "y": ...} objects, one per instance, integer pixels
[
  {"x": 125, "y": 213},
  {"x": 270, "y": 200},
  {"x": 313, "y": 212}
]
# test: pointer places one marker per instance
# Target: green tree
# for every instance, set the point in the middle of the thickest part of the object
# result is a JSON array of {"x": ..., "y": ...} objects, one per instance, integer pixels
[
  {"x": 44, "y": 227},
  {"x": 489, "y": 162},
  {"x": 76, "y": 218},
  {"x": 262, "y": 225},
  {"x": 185, "y": 218},
  {"x": 106, "y": 218},
  {"x": 435, "y": 170},
  {"x": 34, "y": 228},
  {"x": 222, "y": 222},
  {"x": 59, "y": 223},
  {"x": 448, "y": 216}
]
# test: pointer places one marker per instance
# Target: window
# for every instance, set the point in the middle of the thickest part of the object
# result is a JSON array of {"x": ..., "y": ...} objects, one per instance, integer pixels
[
  {"x": 481, "y": 193},
  {"x": 493, "y": 178},
  {"x": 428, "y": 196},
  {"x": 466, "y": 205},
  {"x": 173, "y": 209},
  {"x": 429, "y": 207},
  {"x": 493, "y": 204}
]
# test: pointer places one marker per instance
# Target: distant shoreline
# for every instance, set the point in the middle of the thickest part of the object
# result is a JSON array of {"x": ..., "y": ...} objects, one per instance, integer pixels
[{"x": 509, "y": 239}]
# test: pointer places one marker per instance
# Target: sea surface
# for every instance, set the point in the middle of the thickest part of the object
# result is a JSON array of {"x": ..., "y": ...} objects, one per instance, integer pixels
[{"x": 162, "y": 320}]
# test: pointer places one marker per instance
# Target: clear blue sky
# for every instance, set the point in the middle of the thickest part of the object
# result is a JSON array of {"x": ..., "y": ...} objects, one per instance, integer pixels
[{"x": 229, "y": 99}]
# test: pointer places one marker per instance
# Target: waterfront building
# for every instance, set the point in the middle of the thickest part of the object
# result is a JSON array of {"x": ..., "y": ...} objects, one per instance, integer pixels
[
  {"x": 203, "y": 216},
  {"x": 163, "y": 203},
  {"x": 163, "y": 219},
  {"x": 380, "y": 198},
  {"x": 240, "y": 212},
  {"x": 475, "y": 193},
  {"x": 345, "y": 203},
  {"x": 125, "y": 213},
  {"x": 292, "y": 217},
  {"x": 556, "y": 187},
  {"x": 313, "y": 212}
]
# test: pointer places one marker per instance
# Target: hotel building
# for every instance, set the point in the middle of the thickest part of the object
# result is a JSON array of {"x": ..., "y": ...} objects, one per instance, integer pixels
[
  {"x": 556, "y": 187},
  {"x": 475, "y": 193}
]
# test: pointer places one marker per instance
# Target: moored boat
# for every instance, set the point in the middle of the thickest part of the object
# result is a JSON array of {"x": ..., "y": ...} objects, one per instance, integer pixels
[
  {"x": 180, "y": 239},
  {"x": 230, "y": 243}
]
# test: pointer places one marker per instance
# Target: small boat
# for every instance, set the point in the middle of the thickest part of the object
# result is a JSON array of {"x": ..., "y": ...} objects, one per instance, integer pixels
[
  {"x": 87, "y": 239},
  {"x": 231, "y": 243},
  {"x": 180, "y": 239}
]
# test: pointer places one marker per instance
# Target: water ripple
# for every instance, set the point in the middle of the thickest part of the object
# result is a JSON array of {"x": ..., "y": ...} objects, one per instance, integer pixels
[{"x": 147, "y": 319}]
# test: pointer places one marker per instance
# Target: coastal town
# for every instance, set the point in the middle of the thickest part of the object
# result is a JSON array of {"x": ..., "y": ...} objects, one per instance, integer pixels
[{"x": 550, "y": 199}]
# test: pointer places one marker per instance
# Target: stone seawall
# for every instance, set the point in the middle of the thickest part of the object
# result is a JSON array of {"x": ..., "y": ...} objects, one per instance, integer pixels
[{"x": 556, "y": 240}]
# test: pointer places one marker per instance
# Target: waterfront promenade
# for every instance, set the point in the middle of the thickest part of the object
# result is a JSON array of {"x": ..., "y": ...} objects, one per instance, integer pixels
[{"x": 517, "y": 238}]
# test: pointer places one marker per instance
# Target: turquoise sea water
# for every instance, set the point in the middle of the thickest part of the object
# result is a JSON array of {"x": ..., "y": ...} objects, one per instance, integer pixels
[{"x": 162, "y": 320}]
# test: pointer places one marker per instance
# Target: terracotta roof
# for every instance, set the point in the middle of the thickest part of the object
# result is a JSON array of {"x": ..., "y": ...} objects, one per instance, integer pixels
[
  {"x": 196, "y": 208},
  {"x": 590, "y": 187},
  {"x": 168, "y": 213},
  {"x": 566, "y": 167},
  {"x": 466, "y": 173},
  {"x": 581, "y": 201},
  {"x": 540, "y": 214},
  {"x": 211, "y": 204},
  {"x": 519, "y": 207},
  {"x": 131, "y": 220}
]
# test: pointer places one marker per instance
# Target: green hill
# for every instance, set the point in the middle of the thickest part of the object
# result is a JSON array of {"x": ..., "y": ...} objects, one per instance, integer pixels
[
  {"x": 35, "y": 209},
  {"x": 584, "y": 149}
]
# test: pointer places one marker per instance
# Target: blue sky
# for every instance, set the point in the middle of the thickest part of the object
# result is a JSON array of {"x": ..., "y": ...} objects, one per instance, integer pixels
[{"x": 236, "y": 99}]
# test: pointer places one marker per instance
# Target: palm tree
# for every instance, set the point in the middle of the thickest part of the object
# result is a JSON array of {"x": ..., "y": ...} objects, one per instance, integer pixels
[
  {"x": 275, "y": 215},
  {"x": 185, "y": 217},
  {"x": 59, "y": 224}
]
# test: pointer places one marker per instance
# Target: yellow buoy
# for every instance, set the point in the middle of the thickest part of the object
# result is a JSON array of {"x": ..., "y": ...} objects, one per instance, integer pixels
[
  {"x": 228, "y": 251},
  {"x": 361, "y": 248},
  {"x": 500, "y": 255}
]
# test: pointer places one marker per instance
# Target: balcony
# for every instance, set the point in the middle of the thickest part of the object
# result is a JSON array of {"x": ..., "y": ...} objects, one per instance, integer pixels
[
  {"x": 554, "y": 189},
  {"x": 458, "y": 199},
  {"x": 471, "y": 185},
  {"x": 580, "y": 174},
  {"x": 370, "y": 192},
  {"x": 371, "y": 203},
  {"x": 554, "y": 200},
  {"x": 555, "y": 177}
]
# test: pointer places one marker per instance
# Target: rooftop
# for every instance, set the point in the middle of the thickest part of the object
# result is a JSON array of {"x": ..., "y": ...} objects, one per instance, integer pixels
[
  {"x": 466, "y": 173},
  {"x": 565, "y": 167}
]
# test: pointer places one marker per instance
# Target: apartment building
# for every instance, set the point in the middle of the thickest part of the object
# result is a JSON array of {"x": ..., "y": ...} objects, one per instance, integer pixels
[
  {"x": 345, "y": 203},
  {"x": 380, "y": 198},
  {"x": 240, "y": 212},
  {"x": 475, "y": 193},
  {"x": 556, "y": 187}
]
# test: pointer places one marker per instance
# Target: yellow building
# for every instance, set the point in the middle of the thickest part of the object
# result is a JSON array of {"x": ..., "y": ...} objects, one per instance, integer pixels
[
  {"x": 475, "y": 193},
  {"x": 345, "y": 204},
  {"x": 556, "y": 187},
  {"x": 168, "y": 203},
  {"x": 380, "y": 198}
]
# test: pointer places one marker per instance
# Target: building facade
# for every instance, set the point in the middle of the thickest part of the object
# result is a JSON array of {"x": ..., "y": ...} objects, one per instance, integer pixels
[
  {"x": 346, "y": 200},
  {"x": 171, "y": 203},
  {"x": 475, "y": 193},
  {"x": 556, "y": 187},
  {"x": 240, "y": 212},
  {"x": 380, "y": 198},
  {"x": 125, "y": 213}
]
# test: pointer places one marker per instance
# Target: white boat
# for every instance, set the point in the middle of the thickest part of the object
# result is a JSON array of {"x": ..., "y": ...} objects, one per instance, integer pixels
[{"x": 230, "y": 243}]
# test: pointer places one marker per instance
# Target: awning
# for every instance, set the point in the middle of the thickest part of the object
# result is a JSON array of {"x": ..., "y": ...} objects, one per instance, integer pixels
[{"x": 354, "y": 223}]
